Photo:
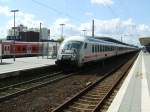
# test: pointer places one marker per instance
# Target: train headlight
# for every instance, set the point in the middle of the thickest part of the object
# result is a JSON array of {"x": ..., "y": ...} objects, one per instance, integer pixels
[
  {"x": 59, "y": 57},
  {"x": 62, "y": 51},
  {"x": 73, "y": 57}
]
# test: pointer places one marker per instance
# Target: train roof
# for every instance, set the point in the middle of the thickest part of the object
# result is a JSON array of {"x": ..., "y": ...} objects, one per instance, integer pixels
[
  {"x": 23, "y": 42},
  {"x": 145, "y": 41},
  {"x": 94, "y": 40},
  {"x": 110, "y": 39}
]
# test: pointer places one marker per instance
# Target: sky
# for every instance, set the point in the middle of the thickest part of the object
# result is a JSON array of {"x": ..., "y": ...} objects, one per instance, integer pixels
[{"x": 128, "y": 19}]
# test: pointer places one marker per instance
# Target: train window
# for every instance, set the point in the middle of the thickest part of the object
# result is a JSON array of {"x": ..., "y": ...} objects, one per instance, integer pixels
[
  {"x": 104, "y": 48},
  {"x": 85, "y": 45},
  {"x": 18, "y": 48},
  {"x": 92, "y": 48},
  {"x": 100, "y": 48},
  {"x": 8, "y": 48},
  {"x": 95, "y": 48},
  {"x": 24, "y": 49}
]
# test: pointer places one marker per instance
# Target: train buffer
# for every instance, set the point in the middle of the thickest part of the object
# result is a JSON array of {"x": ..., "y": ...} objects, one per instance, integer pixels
[{"x": 134, "y": 94}]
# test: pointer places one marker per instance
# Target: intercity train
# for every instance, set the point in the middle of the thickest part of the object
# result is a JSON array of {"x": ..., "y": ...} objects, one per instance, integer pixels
[{"x": 79, "y": 50}]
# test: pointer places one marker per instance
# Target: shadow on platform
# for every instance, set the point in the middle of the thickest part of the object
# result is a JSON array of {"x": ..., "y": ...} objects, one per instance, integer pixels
[{"x": 3, "y": 63}]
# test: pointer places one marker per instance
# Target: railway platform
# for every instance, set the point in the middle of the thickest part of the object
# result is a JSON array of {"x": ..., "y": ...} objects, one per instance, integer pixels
[
  {"x": 8, "y": 67},
  {"x": 134, "y": 94}
]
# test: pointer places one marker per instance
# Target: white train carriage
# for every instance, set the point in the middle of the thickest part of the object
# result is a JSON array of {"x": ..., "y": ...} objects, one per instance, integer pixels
[{"x": 78, "y": 50}]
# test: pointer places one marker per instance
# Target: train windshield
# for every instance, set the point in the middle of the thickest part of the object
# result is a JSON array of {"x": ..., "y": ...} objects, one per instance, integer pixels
[{"x": 73, "y": 45}]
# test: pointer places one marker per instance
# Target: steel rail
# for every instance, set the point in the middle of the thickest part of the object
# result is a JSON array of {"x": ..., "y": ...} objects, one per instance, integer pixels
[
  {"x": 20, "y": 90},
  {"x": 29, "y": 81},
  {"x": 98, "y": 106},
  {"x": 70, "y": 101}
]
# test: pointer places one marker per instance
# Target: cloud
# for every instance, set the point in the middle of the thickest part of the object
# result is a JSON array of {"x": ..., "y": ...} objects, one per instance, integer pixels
[
  {"x": 4, "y": 10},
  {"x": 69, "y": 28},
  {"x": 89, "y": 14},
  {"x": 102, "y": 2},
  {"x": 24, "y": 18},
  {"x": 3, "y": 32},
  {"x": 116, "y": 28},
  {"x": 6, "y": 0}
]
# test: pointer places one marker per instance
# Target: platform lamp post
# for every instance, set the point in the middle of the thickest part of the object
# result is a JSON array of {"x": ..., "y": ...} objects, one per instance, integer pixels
[
  {"x": 62, "y": 29},
  {"x": 62, "y": 32},
  {"x": 1, "y": 54},
  {"x": 40, "y": 40},
  {"x": 14, "y": 11},
  {"x": 84, "y": 32}
]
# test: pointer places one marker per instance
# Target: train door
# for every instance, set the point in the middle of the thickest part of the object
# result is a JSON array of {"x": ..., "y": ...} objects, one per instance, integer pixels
[
  {"x": 29, "y": 49},
  {"x": 116, "y": 50},
  {"x": 6, "y": 49}
]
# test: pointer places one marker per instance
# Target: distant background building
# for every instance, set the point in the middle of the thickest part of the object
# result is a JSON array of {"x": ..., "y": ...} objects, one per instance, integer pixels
[
  {"x": 22, "y": 33},
  {"x": 45, "y": 33},
  {"x": 20, "y": 28},
  {"x": 29, "y": 36}
]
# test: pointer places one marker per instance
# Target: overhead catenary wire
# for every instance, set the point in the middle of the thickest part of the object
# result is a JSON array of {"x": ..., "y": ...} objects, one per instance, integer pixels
[
  {"x": 111, "y": 10},
  {"x": 55, "y": 10}
]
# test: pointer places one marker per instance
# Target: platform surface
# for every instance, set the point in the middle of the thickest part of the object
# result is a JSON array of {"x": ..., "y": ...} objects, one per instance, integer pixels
[
  {"x": 8, "y": 65},
  {"x": 134, "y": 94}
]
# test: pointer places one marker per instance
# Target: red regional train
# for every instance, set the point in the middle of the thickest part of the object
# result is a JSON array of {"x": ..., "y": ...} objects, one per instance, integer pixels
[{"x": 20, "y": 49}]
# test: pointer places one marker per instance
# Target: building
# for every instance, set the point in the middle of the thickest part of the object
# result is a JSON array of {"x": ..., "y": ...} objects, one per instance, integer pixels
[
  {"x": 45, "y": 33},
  {"x": 12, "y": 36},
  {"x": 29, "y": 36},
  {"x": 145, "y": 41},
  {"x": 22, "y": 33}
]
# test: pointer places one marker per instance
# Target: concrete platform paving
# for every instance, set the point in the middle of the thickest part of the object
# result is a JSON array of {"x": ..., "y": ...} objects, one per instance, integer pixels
[
  {"x": 134, "y": 94},
  {"x": 9, "y": 65}
]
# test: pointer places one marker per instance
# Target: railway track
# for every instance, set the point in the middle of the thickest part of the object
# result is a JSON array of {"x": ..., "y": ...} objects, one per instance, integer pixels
[
  {"x": 92, "y": 98},
  {"x": 11, "y": 91}
]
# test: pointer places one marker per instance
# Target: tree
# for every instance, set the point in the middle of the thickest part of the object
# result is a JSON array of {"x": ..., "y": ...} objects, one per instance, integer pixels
[{"x": 60, "y": 40}]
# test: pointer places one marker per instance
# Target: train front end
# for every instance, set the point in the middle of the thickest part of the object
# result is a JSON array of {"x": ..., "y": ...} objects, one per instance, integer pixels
[{"x": 69, "y": 53}]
